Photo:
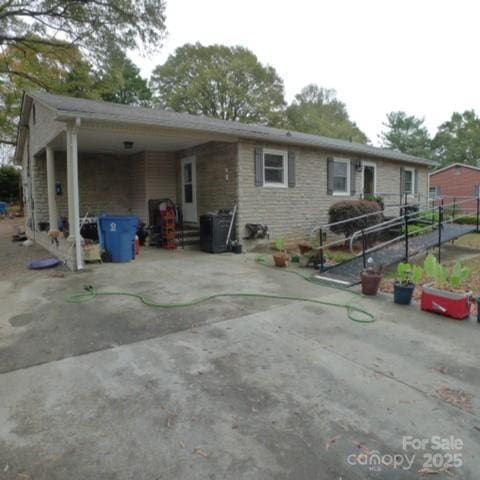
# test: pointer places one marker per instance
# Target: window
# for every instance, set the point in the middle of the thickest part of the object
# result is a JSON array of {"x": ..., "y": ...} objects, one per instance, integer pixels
[
  {"x": 432, "y": 192},
  {"x": 341, "y": 177},
  {"x": 275, "y": 168},
  {"x": 409, "y": 181}
]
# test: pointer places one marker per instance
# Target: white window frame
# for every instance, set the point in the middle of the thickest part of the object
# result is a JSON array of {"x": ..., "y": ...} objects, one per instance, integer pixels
[
  {"x": 284, "y": 155},
  {"x": 374, "y": 165},
  {"x": 338, "y": 193},
  {"x": 412, "y": 193}
]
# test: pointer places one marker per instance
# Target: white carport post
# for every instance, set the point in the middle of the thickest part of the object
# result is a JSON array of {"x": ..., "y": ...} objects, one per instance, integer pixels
[
  {"x": 73, "y": 189},
  {"x": 52, "y": 202}
]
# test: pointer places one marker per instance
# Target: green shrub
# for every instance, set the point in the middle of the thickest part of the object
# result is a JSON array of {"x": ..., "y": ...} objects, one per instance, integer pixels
[
  {"x": 9, "y": 183},
  {"x": 470, "y": 220},
  {"x": 337, "y": 256},
  {"x": 430, "y": 216},
  {"x": 415, "y": 229},
  {"x": 375, "y": 198},
  {"x": 353, "y": 208}
]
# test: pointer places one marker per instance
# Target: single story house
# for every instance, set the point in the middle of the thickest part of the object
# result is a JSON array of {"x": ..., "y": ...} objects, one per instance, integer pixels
[
  {"x": 83, "y": 156},
  {"x": 456, "y": 182}
]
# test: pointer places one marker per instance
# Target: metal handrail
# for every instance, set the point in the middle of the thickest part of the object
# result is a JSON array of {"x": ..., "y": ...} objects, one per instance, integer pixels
[{"x": 404, "y": 219}]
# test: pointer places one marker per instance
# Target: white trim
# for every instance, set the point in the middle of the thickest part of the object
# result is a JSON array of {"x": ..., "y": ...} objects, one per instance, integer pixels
[
  {"x": 52, "y": 202},
  {"x": 369, "y": 164},
  {"x": 73, "y": 195},
  {"x": 409, "y": 169},
  {"x": 193, "y": 214},
  {"x": 452, "y": 165},
  {"x": 348, "y": 192},
  {"x": 284, "y": 155}
]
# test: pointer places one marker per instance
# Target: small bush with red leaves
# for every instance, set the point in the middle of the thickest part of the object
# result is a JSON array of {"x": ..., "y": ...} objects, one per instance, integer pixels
[{"x": 353, "y": 208}]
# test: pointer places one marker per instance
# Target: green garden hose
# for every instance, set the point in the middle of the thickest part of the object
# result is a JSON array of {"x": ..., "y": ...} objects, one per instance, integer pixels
[{"x": 362, "y": 316}]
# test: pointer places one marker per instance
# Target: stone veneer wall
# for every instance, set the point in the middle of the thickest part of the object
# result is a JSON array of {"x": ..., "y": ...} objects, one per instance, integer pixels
[
  {"x": 217, "y": 175},
  {"x": 292, "y": 212}
]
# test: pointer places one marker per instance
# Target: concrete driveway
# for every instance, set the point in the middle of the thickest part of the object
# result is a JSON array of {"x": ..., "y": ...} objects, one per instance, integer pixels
[{"x": 234, "y": 389}]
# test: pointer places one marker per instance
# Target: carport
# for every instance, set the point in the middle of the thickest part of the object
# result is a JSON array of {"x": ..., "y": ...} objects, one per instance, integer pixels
[{"x": 92, "y": 164}]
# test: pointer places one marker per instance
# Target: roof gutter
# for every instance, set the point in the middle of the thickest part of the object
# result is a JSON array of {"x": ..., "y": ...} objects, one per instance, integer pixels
[{"x": 289, "y": 140}]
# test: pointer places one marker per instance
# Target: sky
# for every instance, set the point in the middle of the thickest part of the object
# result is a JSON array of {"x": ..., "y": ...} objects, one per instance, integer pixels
[{"x": 380, "y": 56}]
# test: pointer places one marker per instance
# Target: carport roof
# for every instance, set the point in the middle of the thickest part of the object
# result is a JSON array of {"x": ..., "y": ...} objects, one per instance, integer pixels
[{"x": 70, "y": 107}]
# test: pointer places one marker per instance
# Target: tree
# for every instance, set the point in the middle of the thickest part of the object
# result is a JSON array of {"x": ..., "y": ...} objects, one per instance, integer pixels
[
  {"x": 66, "y": 72},
  {"x": 93, "y": 26},
  {"x": 122, "y": 82},
  {"x": 218, "y": 81},
  {"x": 407, "y": 134},
  {"x": 458, "y": 139},
  {"x": 42, "y": 42},
  {"x": 9, "y": 183},
  {"x": 317, "y": 110}
]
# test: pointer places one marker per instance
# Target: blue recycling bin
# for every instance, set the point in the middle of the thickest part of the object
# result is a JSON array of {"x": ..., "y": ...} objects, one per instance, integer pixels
[
  {"x": 118, "y": 236},
  {"x": 3, "y": 208}
]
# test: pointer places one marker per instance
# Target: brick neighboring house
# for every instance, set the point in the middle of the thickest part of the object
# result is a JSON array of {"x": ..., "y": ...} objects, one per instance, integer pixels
[
  {"x": 82, "y": 156},
  {"x": 456, "y": 181}
]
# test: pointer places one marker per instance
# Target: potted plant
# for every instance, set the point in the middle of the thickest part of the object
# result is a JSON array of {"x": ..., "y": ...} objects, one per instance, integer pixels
[
  {"x": 371, "y": 278},
  {"x": 407, "y": 276},
  {"x": 444, "y": 295},
  {"x": 280, "y": 257}
]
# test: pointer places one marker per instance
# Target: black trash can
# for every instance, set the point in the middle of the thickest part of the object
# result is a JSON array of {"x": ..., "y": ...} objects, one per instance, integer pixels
[{"x": 214, "y": 231}]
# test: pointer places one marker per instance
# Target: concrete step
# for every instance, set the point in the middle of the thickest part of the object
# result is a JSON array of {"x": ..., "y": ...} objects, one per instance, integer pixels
[
  {"x": 188, "y": 241},
  {"x": 187, "y": 233}
]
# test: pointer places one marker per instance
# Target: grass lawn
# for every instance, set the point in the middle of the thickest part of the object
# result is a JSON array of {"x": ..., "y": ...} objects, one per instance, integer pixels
[{"x": 472, "y": 240}]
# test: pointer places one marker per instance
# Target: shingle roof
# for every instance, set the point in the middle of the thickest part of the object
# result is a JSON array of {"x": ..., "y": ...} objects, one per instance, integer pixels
[
  {"x": 68, "y": 107},
  {"x": 452, "y": 165}
]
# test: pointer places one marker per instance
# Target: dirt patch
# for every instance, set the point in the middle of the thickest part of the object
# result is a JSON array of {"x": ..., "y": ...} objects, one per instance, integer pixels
[{"x": 14, "y": 257}]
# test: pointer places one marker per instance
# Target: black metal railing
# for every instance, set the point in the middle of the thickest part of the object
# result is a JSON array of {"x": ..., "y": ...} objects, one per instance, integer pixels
[{"x": 439, "y": 215}]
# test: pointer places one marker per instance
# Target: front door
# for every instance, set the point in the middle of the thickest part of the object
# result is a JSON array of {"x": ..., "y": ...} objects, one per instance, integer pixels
[
  {"x": 189, "y": 190},
  {"x": 369, "y": 179}
]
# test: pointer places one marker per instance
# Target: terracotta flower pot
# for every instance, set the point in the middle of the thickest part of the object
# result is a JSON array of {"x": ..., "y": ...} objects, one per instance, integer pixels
[
  {"x": 370, "y": 282},
  {"x": 280, "y": 259}
]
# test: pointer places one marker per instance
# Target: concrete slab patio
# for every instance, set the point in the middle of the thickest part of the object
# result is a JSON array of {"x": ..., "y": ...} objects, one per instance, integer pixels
[{"x": 235, "y": 389}]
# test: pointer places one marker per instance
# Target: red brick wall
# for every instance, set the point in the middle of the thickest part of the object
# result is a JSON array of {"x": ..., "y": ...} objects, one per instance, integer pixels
[{"x": 457, "y": 182}]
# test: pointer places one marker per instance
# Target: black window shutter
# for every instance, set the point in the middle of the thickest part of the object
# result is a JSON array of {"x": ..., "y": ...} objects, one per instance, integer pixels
[
  {"x": 291, "y": 168},
  {"x": 258, "y": 158},
  {"x": 416, "y": 190},
  {"x": 329, "y": 176},
  {"x": 402, "y": 180},
  {"x": 353, "y": 172}
]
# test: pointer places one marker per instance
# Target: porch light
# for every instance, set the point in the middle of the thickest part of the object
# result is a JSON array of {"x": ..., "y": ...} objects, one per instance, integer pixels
[
  {"x": 128, "y": 145},
  {"x": 358, "y": 165}
]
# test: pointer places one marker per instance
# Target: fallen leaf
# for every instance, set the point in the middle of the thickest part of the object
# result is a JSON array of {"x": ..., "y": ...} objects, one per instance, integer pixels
[{"x": 332, "y": 441}]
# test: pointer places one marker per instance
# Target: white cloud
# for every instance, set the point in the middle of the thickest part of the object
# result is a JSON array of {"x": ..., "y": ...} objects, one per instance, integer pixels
[{"x": 414, "y": 55}]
